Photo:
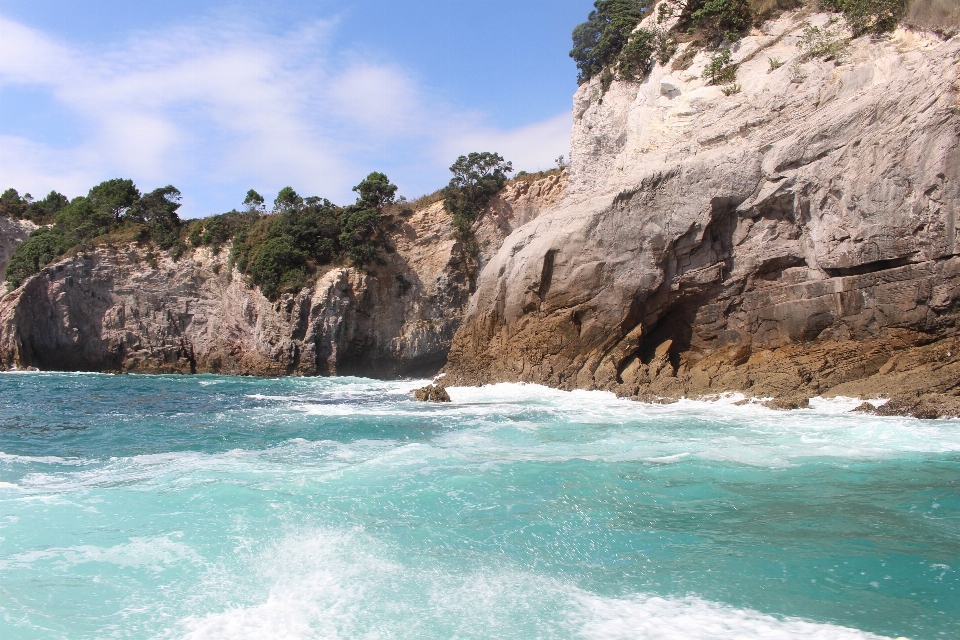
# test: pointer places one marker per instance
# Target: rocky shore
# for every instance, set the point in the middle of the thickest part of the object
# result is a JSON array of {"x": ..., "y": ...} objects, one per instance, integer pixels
[
  {"x": 792, "y": 235},
  {"x": 797, "y": 237}
]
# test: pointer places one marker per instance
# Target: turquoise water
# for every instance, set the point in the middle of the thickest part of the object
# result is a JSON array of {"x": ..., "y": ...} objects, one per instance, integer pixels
[{"x": 216, "y": 507}]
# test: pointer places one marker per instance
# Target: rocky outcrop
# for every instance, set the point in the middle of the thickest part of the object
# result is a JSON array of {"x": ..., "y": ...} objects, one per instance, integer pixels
[
  {"x": 432, "y": 393},
  {"x": 12, "y": 233},
  {"x": 795, "y": 238},
  {"x": 122, "y": 308}
]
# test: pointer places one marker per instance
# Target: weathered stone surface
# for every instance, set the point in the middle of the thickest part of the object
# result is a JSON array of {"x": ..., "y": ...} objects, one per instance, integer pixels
[
  {"x": 109, "y": 310},
  {"x": 432, "y": 393},
  {"x": 790, "y": 240},
  {"x": 928, "y": 405}
]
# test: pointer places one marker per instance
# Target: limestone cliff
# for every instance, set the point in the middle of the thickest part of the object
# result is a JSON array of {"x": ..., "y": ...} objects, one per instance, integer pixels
[
  {"x": 797, "y": 237},
  {"x": 122, "y": 308}
]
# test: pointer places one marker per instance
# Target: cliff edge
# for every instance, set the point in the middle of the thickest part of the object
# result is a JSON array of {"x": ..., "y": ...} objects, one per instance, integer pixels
[
  {"x": 121, "y": 307},
  {"x": 792, "y": 235}
]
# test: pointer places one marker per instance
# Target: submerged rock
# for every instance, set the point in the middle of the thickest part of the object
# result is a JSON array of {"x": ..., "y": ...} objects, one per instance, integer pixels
[{"x": 432, "y": 393}]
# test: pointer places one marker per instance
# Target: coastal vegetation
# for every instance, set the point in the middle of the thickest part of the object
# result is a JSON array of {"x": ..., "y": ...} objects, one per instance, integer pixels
[
  {"x": 611, "y": 45},
  {"x": 111, "y": 207},
  {"x": 278, "y": 250},
  {"x": 477, "y": 178}
]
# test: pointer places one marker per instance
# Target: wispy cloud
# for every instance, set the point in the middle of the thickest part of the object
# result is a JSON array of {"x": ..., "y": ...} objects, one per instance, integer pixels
[{"x": 218, "y": 107}]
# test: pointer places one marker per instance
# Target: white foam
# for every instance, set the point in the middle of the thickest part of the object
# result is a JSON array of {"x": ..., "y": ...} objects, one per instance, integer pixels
[
  {"x": 344, "y": 584},
  {"x": 154, "y": 553},
  {"x": 11, "y": 458},
  {"x": 691, "y": 618}
]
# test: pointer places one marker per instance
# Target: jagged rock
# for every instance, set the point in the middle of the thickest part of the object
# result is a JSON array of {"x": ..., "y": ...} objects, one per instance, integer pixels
[
  {"x": 927, "y": 405},
  {"x": 787, "y": 240},
  {"x": 108, "y": 309},
  {"x": 865, "y": 407},
  {"x": 432, "y": 393},
  {"x": 788, "y": 403}
]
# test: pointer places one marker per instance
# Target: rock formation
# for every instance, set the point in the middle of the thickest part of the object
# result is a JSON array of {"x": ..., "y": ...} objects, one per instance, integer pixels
[
  {"x": 123, "y": 308},
  {"x": 432, "y": 393},
  {"x": 795, "y": 237}
]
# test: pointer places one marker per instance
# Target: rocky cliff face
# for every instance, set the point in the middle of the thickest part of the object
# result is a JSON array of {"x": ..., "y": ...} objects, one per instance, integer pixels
[
  {"x": 797, "y": 237},
  {"x": 121, "y": 309}
]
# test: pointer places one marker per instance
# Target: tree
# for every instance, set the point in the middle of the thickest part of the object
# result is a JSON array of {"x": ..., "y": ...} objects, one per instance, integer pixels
[
  {"x": 598, "y": 42},
  {"x": 41, "y": 211},
  {"x": 115, "y": 196},
  {"x": 376, "y": 191},
  {"x": 277, "y": 264},
  {"x": 869, "y": 16},
  {"x": 254, "y": 201},
  {"x": 80, "y": 220},
  {"x": 12, "y": 205},
  {"x": 157, "y": 210},
  {"x": 360, "y": 222},
  {"x": 53, "y": 202},
  {"x": 287, "y": 198},
  {"x": 42, "y": 247},
  {"x": 721, "y": 16},
  {"x": 476, "y": 179}
]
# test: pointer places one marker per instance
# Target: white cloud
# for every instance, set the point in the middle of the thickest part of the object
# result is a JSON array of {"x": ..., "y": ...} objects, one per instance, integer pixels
[
  {"x": 531, "y": 148},
  {"x": 215, "y": 106}
]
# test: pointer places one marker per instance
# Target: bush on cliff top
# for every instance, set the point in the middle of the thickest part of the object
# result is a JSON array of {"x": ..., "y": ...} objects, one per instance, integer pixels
[
  {"x": 280, "y": 252},
  {"x": 598, "y": 42},
  {"x": 26, "y": 208},
  {"x": 108, "y": 206}
]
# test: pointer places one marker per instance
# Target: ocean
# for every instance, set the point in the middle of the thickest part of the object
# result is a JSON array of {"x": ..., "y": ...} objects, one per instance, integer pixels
[{"x": 220, "y": 507}]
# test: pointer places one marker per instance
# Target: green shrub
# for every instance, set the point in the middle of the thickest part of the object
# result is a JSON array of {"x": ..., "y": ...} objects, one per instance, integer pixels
[
  {"x": 43, "y": 246},
  {"x": 869, "y": 16},
  {"x": 80, "y": 221},
  {"x": 14, "y": 207},
  {"x": 277, "y": 265},
  {"x": 636, "y": 58},
  {"x": 720, "y": 69},
  {"x": 598, "y": 42},
  {"x": 828, "y": 43},
  {"x": 360, "y": 226},
  {"x": 727, "y": 17},
  {"x": 477, "y": 178}
]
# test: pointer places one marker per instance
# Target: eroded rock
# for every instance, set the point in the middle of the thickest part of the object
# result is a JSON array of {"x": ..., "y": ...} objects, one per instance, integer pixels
[
  {"x": 791, "y": 240},
  {"x": 432, "y": 393}
]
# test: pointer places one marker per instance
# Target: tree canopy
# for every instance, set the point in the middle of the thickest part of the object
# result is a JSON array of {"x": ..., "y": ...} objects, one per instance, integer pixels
[
  {"x": 477, "y": 177},
  {"x": 599, "y": 41},
  {"x": 109, "y": 205}
]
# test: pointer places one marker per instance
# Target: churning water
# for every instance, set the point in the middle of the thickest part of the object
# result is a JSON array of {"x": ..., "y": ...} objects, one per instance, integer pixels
[{"x": 216, "y": 507}]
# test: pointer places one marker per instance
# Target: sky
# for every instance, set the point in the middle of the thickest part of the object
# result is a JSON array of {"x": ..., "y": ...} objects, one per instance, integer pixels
[{"x": 217, "y": 97}]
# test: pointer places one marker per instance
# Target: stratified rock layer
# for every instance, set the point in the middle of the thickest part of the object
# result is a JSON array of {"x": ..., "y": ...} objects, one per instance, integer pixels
[
  {"x": 796, "y": 238},
  {"x": 122, "y": 308}
]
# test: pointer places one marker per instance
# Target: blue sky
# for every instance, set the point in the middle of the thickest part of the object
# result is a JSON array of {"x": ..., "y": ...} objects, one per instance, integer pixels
[{"x": 219, "y": 97}]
